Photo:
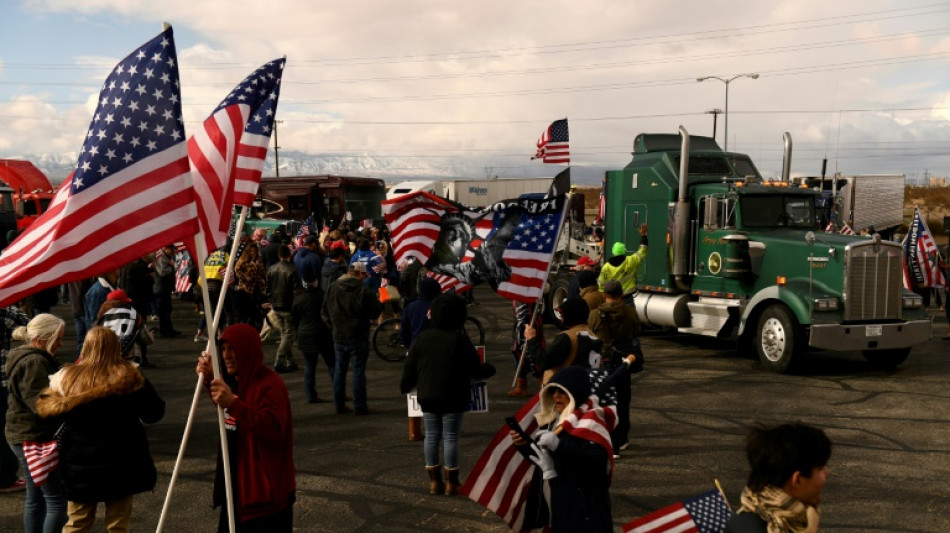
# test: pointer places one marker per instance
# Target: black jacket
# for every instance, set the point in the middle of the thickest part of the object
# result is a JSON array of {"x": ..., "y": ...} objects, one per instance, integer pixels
[
  {"x": 283, "y": 283},
  {"x": 104, "y": 453},
  {"x": 746, "y": 523},
  {"x": 442, "y": 361},
  {"x": 332, "y": 272},
  {"x": 28, "y": 370},
  {"x": 348, "y": 308},
  {"x": 312, "y": 331}
]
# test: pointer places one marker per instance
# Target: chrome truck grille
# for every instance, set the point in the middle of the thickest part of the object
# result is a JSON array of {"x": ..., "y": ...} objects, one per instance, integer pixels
[{"x": 872, "y": 280}]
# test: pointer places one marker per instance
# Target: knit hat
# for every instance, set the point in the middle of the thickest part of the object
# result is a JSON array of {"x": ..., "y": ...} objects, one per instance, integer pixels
[
  {"x": 619, "y": 249},
  {"x": 586, "y": 278},
  {"x": 574, "y": 311}
]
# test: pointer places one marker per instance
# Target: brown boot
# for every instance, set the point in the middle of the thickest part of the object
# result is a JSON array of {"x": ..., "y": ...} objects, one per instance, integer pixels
[
  {"x": 415, "y": 428},
  {"x": 435, "y": 479},
  {"x": 452, "y": 481},
  {"x": 521, "y": 388}
]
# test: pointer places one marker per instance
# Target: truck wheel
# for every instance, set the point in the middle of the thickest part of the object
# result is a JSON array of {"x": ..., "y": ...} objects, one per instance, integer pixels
[
  {"x": 556, "y": 295},
  {"x": 886, "y": 359},
  {"x": 776, "y": 338}
]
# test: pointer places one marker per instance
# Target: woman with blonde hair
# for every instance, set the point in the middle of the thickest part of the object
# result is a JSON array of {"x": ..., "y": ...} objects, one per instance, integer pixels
[
  {"x": 28, "y": 368},
  {"x": 104, "y": 455}
]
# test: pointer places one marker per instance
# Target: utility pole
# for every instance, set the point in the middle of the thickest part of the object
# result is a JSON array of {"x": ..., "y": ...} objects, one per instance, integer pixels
[
  {"x": 276, "y": 149},
  {"x": 715, "y": 113}
]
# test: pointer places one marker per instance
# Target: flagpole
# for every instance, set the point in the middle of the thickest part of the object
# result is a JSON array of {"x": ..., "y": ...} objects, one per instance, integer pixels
[
  {"x": 534, "y": 313},
  {"x": 211, "y": 348}
]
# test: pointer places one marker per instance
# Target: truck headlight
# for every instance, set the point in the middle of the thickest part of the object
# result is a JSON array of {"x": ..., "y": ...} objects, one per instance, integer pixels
[
  {"x": 826, "y": 304},
  {"x": 913, "y": 302}
]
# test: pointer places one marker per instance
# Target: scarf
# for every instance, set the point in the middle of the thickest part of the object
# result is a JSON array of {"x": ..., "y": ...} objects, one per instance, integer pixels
[{"x": 781, "y": 512}]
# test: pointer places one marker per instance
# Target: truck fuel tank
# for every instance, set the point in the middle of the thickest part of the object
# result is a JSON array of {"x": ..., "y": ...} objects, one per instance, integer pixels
[{"x": 663, "y": 309}]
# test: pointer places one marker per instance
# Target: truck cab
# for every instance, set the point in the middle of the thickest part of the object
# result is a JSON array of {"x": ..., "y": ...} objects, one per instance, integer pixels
[{"x": 734, "y": 256}]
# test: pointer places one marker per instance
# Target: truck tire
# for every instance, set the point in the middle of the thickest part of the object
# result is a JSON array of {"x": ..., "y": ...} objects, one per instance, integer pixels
[
  {"x": 777, "y": 339},
  {"x": 556, "y": 295},
  {"x": 886, "y": 359}
]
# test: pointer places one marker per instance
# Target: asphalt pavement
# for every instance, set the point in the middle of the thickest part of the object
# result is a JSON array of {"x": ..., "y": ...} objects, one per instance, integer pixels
[{"x": 890, "y": 464}]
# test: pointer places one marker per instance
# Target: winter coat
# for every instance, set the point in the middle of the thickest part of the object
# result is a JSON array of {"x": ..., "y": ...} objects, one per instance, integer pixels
[
  {"x": 312, "y": 331},
  {"x": 442, "y": 361},
  {"x": 332, "y": 272},
  {"x": 93, "y": 299},
  {"x": 28, "y": 370},
  {"x": 624, "y": 268},
  {"x": 746, "y": 523},
  {"x": 261, "y": 436},
  {"x": 283, "y": 283},
  {"x": 309, "y": 264},
  {"x": 558, "y": 351},
  {"x": 415, "y": 317},
  {"x": 348, "y": 308},
  {"x": 593, "y": 297},
  {"x": 103, "y": 450},
  {"x": 616, "y": 324}
]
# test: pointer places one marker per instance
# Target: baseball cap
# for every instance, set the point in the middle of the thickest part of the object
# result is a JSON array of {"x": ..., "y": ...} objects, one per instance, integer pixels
[
  {"x": 358, "y": 267},
  {"x": 339, "y": 244},
  {"x": 613, "y": 287},
  {"x": 119, "y": 294},
  {"x": 586, "y": 261},
  {"x": 619, "y": 249}
]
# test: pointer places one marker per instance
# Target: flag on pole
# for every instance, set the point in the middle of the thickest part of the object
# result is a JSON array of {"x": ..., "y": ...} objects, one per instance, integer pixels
[
  {"x": 706, "y": 513},
  {"x": 509, "y": 244},
  {"x": 846, "y": 230},
  {"x": 554, "y": 145},
  {"x": 234, "y": 137},
  {"x": 921, "y": 266},
  {"x": 602, "y": 203},
  {"x": 561, "y": 184},
  {"x": 130, "y": 192},
  {"x": 304, "y": 231}
]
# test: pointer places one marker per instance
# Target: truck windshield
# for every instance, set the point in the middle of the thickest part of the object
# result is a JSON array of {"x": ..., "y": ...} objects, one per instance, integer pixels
[{"x": 777, "y": 211}]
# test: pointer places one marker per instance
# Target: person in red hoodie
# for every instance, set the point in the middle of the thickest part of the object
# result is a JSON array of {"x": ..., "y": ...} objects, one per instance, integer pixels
[{"x": 260, "y": 435}]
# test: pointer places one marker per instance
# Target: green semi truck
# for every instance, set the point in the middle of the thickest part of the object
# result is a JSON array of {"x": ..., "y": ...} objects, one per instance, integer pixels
[{"x": 734, "y": 256}]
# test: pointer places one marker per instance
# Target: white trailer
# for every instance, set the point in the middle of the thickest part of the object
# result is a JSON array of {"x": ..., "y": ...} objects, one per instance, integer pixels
[
  {"x": 406, "y": 187},
  {"x": 479, "y": 193},
  {"x": 872, "y": 200}
]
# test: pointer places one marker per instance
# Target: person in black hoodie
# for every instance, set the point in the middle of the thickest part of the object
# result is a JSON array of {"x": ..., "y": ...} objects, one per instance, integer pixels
[
  {"x": 313, "y": 337},
  {"x": 442, "y": 363},
  {"x": 104, "y": 455},
  {"x": 415, "y": 318}
]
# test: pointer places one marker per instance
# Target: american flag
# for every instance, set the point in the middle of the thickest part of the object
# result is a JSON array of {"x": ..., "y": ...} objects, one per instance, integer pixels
[
  {"x": 921, "y": 267},
  {"x": 130, "y": 192},
  {"x": 706, "y": 513},
  {"x": 602, "y": 204},
  {"x": 416, "y": 219},
  {"x": 231, "y": 140},
  {"x": 501, "y": 479},
  {"x": 553, "y": 146},
  {"x": 41, "y": 459},
  {"x": 304, "y": 231},
  {"x": 846, "y": 230},
  {"x": 182, "y": 281}
]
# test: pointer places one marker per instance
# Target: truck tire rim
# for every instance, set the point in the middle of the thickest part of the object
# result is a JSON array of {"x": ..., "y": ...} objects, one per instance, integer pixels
[
  {"x": 556, "y": 300},
  {"x": 773, "y": 340}
]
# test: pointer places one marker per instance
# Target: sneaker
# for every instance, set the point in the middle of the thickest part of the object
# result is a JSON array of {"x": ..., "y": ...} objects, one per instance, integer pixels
[
  {"x": 625, "y": 445},
  {"x": 17, "y": 485},
  {"x": 616, "y": 456},
  {"x": 201, "y": 338}
]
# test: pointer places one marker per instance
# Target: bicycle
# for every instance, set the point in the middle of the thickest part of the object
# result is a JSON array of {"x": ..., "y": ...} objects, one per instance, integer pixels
[{"x": 388, "y": 345}]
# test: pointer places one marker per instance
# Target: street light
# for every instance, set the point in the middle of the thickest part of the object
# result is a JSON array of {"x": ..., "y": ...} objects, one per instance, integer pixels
[{"x": 727, "y": 81}]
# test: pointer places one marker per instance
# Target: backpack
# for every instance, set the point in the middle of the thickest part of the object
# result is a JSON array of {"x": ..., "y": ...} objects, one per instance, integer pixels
[{"x": 572, "y": 334}]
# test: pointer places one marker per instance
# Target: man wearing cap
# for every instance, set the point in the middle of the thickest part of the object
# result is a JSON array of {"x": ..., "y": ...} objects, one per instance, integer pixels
[
  {"x": 348, "y": 308},
  {"x": 623, "y": 267},
  {"x": 584, "y": 264},
  {"x": 308, "y": 261},
  {"x": 618, "y": 325}
]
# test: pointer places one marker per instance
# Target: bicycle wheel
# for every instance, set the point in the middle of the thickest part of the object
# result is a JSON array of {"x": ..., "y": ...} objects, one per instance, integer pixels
[
  {"x": 474, "y": 331},
  {"x": 386, "y": 342}
]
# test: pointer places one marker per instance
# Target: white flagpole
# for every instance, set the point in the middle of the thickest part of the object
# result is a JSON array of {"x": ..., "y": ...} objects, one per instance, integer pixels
[
  {"x": 212, "y": 349},
  {"x": 534, "y": 312}
]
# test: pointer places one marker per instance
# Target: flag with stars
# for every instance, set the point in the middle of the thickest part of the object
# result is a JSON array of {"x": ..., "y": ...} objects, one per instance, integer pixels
[
  {"x": 130, "y": 192},
  {"x": 227, "y": 152},
  {"x": 706, "y": 513},
  {"x": 509, "y": 244},
  {"x": 554, "y": 144}
]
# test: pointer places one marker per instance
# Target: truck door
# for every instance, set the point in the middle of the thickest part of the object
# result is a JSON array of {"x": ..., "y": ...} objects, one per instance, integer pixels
[
  {"x": 633, "y": 216},
  {"x": 721, "y": 254}
]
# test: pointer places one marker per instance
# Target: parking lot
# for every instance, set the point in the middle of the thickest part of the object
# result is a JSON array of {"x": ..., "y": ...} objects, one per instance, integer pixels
[{"x": 890, "y": 467}]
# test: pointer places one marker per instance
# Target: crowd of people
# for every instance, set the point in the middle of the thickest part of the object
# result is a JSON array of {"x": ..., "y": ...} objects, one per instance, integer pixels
[{"x": 323, "y": 293}]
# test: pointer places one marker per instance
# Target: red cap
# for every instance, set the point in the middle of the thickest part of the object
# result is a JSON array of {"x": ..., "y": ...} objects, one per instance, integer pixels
[
  {"x": 119, "y": 294},
  {"x": 339, "y": 244},
  {"x": 586, "y": 261}
]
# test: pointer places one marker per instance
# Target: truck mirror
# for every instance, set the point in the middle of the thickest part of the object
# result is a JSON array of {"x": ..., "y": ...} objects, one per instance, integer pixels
[{"x": 810, "y": 238}]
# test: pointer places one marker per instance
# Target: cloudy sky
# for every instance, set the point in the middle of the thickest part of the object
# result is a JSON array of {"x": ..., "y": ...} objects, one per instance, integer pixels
[{"x": 864, "y": 84}]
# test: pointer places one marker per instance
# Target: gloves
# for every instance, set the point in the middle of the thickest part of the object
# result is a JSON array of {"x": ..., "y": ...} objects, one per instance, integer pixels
[
  {"x": 544, "y": 461},
  {"x": 547, "y": 439}
]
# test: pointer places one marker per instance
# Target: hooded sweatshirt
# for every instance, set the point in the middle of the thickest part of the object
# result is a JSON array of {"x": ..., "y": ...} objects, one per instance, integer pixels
[
  {"x": 104, "y": 452},
  {"x": 260, "y": 433},
  {"x": 415, "y": 317},
  {"x": 442, "y": 361},
  {"x": 347, "y": 309}
]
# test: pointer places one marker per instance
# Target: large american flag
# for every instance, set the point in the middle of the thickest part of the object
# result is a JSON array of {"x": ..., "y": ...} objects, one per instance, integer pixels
[
  {"x": 921, "y": 267},
  {"x": 415, "y": 220},
  {"x": 501, "y": 479},
  {"x": 706, "y": 513},
  {"x": 227, "y": 152},
  {"x": 553, "y": 146},
  {"x": 130, "y": 192}
]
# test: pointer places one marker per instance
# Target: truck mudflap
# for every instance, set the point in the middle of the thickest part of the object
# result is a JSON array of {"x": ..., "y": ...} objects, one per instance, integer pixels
[{"x": 846, "y": 337}]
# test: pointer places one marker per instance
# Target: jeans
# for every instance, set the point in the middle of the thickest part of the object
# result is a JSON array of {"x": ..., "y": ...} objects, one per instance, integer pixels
[
  {"x": 311, "y": 358},
  {"x": 445, "y": 427},
  {"x": 45, "y": 508},
  {"x": 359, "y": 353},
  {"x": 285, "y": 350}
]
